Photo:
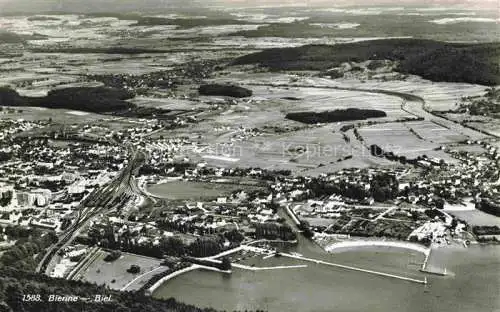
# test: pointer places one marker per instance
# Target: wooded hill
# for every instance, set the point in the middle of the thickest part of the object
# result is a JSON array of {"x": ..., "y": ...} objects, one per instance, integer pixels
[{"x": 432, "y": 60}]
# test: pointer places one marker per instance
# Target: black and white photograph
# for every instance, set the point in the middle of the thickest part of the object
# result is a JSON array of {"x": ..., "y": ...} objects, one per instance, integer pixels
[{"x": 249, "y": 155}]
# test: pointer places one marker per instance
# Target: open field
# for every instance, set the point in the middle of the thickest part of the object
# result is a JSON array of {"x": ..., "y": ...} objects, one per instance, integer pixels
[
  {"x": 56, "y": 115},
  {"x": 483, "y": 123},
  {"x": 317, "y": 99},
  {"x": 168, "y": 103},
  {"x": 185, "y": 190},
  {"x": 323, "y": 148},
  {"x": 271, "y": 101},
  {"x": 114, "y": 274},
  {"x": 435, "y": 132},
  {"x": 317, "y": 148},
  {"x": 312, "y": 150},
  {"x": 398, "y": 138},
  {"x": 437, "y": 95}
]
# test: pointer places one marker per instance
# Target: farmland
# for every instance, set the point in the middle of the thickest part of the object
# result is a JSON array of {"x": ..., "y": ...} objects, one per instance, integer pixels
[
  {"x": 319, "y": 148},
  {"x": 398, "y": 138}
]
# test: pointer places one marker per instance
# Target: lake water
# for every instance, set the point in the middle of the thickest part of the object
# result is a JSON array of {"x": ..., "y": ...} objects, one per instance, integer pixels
[{"x": 472, "y": 284}]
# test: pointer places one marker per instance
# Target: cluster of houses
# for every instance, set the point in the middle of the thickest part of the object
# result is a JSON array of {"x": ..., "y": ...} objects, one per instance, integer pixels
[
  {"x": 42, "y": 185},
  {"x": 8, "y": 127},
  {"x": 44, "y": 208},
  {"x": 134, "y": 133}
]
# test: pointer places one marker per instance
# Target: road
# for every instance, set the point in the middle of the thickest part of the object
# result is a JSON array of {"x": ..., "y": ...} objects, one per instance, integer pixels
[{"x": 112, "y": 196}]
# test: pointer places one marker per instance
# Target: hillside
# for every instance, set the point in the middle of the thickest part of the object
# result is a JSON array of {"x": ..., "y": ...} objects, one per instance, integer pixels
[
  {"x": 14, "y": 284},
  {"x": 433, "y": 60}
]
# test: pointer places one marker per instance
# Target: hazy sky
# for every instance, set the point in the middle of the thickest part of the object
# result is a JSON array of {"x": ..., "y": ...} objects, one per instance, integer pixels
[{"x": 123, "y": 5}]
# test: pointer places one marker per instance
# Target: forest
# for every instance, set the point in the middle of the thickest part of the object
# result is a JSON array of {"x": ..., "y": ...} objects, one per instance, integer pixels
[
  {"x": 88, "y": 99},
  {"x": 432, "y": 60},
  {"x": 336, "y": 115},
  {"x": 224, "y": 90}
]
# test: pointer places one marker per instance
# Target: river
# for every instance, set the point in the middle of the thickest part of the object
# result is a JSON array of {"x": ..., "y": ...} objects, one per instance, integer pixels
[{"x": 472, "y": 284}]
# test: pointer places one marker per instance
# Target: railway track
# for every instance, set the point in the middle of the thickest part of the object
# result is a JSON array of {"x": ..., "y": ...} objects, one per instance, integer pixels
[{"x": 113, "y": 196}]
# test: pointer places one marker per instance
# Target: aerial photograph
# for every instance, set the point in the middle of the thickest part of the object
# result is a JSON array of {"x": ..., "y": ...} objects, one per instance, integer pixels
[{"x": 249, "y": 155}]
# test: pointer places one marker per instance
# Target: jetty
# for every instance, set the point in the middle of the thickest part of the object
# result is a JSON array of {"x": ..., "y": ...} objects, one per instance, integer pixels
[
  {"x": 253, "y": 268},
  {"x": 352, "y": 268},
  {"x": 425, "y": 269}
]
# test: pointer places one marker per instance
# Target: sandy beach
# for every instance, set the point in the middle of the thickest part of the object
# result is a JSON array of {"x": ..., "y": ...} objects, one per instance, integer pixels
[{"x": 366, "y": 243}]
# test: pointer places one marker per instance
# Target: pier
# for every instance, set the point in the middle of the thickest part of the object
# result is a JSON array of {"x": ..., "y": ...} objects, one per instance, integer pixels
[
  {"x": 347, "y": 267},
  {"x": 252, "y": 268},
  {"x": 425, "y": 269}
]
